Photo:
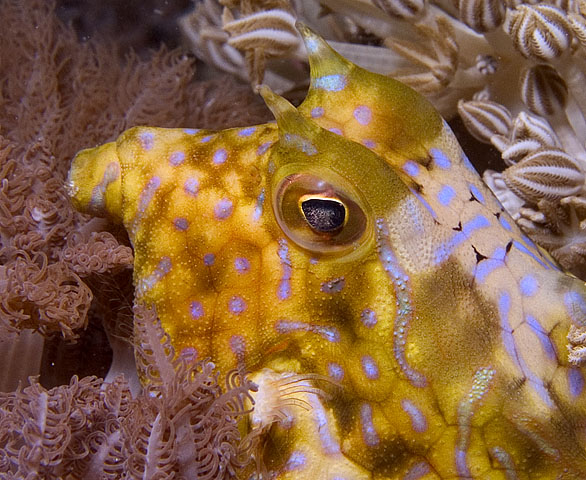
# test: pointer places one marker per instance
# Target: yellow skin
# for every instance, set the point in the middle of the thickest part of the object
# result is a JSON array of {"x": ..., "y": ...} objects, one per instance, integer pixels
[{"x": 441, "y": 328}]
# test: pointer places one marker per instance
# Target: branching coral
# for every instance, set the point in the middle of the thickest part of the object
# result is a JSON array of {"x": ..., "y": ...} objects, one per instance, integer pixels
[{"x": 183, "y": 424}]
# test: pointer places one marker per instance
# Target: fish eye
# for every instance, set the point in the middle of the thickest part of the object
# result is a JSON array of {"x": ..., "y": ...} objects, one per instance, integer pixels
[{"x": 321, "y": 213}]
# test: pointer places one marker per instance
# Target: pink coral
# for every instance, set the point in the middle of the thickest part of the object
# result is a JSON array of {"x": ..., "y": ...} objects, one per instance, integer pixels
[
  {"x": 61, "y": 272},
  {"x": 60, "y": 95},
  {"x": 183, "y": 424},
  {"x": 46, "y": 297}
]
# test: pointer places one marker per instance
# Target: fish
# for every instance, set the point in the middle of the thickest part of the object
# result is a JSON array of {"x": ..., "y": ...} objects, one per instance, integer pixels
[{"x": 397, "y": 322}]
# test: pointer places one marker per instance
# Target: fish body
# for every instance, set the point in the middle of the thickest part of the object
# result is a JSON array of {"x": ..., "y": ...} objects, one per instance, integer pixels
[{"x": 398, "y": 323}]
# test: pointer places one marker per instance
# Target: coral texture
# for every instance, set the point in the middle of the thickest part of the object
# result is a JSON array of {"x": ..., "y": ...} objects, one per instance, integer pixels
[
  {"x": 58, "y": 96},
  {"x": 184, "y": 424},
  {"x": 61, "y": 271}
]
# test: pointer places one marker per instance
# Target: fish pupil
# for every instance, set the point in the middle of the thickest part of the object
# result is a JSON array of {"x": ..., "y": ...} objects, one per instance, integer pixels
[{"x": 324, "y": 215}]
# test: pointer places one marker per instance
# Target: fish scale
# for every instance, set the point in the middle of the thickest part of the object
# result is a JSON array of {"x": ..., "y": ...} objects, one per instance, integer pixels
[{"x": 417, "y": 334}]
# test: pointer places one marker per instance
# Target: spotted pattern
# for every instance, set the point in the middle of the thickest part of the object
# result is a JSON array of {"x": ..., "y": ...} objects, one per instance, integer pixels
[
  {"x": 330, "y": 83},
  {"x": 177, "y": 158},
  {"x": 370, "y": 367},
  {"x": 196, "y": 310},
  {"x": 237, "y": 305},
  {"x": 362, "y": 114},
  {"x": 433, "y": 347},
  {"x": 220, "y": 156},
  {"x": 191, "y": 186},
  {"x": 223, "y": 209},
  {"x": 242, "y": 265},
  {"x": 181, "y": 224}
]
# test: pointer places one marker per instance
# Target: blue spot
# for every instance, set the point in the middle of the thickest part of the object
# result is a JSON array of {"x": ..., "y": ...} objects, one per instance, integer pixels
[
  {"x": 147, "y": 140},
  {"x": 246, "y": 132},
  {"x": 335, "y": 130},
  {"x": 287, "y": 326},
  {"x": 575, "y": 306},
  {"x": 331, "y": 334},
  {"x": 176, "y": 158},
  {"x": 284, "y": 289},
  {"x": 242, "y": 265},
  {"x": 189, "y": 354},
  {"x": 209, "y": 259},
  {"x": 148, "y": 193},
  {"x": 538, "y": 329},
  {"x": 368, "y": 432},
  {"x": 528, "y": 241},
  {"x": 296, "y": 461},
  {"x": 311, "y": 44},
  {"x": 440, "y": 159},
  {"x": 462, "y": 464},
  {"x": 370, "y": 368},
  {"x": 330, "y": 83},
  {"x": 417, "y": 471},
  {"x": 478, "y": 222},
  {"x": 575, "y": 382},
  {"x": 191, "y": 186},
  {"x": 317, "y": 112},
  {"x": 223, "y": 209},
  {"x": 237, "y": 305},
  {"x": 368, "y": 318},
  {"x": 220, "y": 156},
  {"x": 206, "y": 139},
  {"x": 237, "y": 344},
  {"x": 446, "y": 195},
  {"x": 504, "y": 307},
  {"x": 528, "y": 285},
  {"x": 261, "y": 150},
  {"x": 181, "y": 224},
  {"x": 335, "y": 371},
  {"x": 418, "y": 420},
  {"x": 369, "y": 143},
  {"x": 363, "y": 114},
  {"x": 300, "y": 143},
  {"x": 411, "y": 168},
  {"x": 505, "y": 224},
  {"x": 196, "y": 310},
  {"x": 191, "y": 131},
  {"x": 256, "y": 214},
  {"x": 477, "y": 193}
]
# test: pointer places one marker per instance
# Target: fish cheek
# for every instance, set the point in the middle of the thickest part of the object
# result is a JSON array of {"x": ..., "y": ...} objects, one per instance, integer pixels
[{"x": 456, "y": 332}]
